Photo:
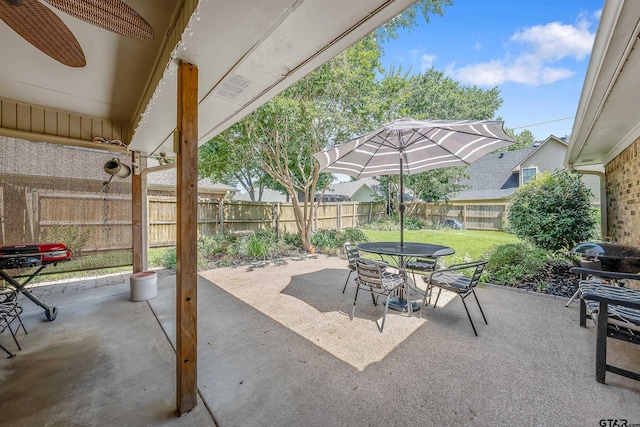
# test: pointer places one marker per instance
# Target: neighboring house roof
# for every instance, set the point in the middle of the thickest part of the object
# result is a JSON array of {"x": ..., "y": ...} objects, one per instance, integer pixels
[
  {"x": 350, "y": 188},
  {"x": 166, "y": 180},
  {"x": 492, "y": 177},
  {"x": 268, "y": 195}
]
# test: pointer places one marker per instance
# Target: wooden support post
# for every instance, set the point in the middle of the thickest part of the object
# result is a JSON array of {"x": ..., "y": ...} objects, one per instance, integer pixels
[
  {"x": 186, "y": 239},
  {"x": 136, "y": 212}
]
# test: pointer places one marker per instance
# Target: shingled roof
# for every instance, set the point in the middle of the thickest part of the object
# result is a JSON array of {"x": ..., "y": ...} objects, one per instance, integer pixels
[
  {"x": 166, "y": 180},
  {"x": 350, "y": 188},
  {"x": 492, "y": 177}
]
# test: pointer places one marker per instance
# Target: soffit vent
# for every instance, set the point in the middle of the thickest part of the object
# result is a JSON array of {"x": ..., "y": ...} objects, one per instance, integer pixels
[{"x": 231, "y": 87}]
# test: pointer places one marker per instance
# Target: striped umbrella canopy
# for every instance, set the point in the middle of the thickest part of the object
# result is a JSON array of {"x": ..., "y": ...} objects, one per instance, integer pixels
[{"x": 408, "y": 146}]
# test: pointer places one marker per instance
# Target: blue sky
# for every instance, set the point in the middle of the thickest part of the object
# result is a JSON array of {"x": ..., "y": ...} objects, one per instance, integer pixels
[{"x": 535, "y": 52}]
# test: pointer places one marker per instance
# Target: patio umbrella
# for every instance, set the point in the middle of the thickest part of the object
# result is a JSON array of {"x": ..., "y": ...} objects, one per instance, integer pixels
[{"x": 408, "y": 146}]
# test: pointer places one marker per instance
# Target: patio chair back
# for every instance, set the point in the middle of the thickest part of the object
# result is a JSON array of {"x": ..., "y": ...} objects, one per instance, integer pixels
[
  {"x": 373, "y": 277},
  {"x": 352, "y": 255},
  {"x": 454, "y": 279}
]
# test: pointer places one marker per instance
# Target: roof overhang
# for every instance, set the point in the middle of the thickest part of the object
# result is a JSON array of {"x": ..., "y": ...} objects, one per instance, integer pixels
[
  {"x": 607, "y": 120},
  {"x": 246, "y": 53}
]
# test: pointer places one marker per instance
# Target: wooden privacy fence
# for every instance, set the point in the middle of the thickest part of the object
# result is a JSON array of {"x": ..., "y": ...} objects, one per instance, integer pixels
[
  {"x": 30, "y": 215},
  {"x": 217, "y": 217},
  {"x": 485, "y": 216}
]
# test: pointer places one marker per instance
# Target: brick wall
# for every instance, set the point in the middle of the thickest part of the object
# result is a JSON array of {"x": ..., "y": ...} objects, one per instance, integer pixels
[{"x": 623, "y": 196}]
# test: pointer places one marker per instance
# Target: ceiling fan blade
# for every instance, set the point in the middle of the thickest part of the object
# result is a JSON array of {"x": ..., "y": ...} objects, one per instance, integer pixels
[
  {"x": 111, "y": 15},
  {"x": 38, "y": 25}
]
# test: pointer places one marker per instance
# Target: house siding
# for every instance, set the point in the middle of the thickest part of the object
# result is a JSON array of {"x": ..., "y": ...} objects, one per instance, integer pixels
[
  {"x": 623, "y": 191},
  {"x": 548, "y": 158}
]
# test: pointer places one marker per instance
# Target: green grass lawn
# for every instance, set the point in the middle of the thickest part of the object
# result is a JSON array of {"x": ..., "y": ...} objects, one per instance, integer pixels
[{"x": 468, "y": 244}]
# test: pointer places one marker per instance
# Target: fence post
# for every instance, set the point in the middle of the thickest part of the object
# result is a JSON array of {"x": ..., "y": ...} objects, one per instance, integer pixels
[
  {"x": 370, "y": 211},
  {"x": 221, "y": 216},
  {"x": 353, "y": 221},
  {"x": 278, "y": 210},
  {"x": 339, "y": 216}
]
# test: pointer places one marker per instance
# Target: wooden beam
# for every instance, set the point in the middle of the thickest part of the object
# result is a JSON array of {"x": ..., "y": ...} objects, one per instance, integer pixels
[
  {"x": 136, "y": 212},
  {"x": 186, "y": 238}
]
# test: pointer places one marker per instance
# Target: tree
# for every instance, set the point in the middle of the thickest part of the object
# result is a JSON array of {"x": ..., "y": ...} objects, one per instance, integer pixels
[
  {"x": 220, "y": 160},
  {"x": 436, "y": 97},
  {"x": 553, "y": 211},
  {"x": 525, "y": 139},
  {"x": 432, "y": 96},
  {"x": 341, "y": 99}
]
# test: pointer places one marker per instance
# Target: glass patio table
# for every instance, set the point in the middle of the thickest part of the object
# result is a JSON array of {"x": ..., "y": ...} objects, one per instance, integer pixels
[{"x": 402, "y": 253}]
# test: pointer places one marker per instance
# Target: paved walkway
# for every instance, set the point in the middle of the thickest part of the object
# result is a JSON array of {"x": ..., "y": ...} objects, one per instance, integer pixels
[{"x": 276, "y": 347}]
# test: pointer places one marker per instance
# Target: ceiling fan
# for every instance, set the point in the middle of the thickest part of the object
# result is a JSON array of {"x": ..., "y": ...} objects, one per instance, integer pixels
[{"x": 41, "y": 27}]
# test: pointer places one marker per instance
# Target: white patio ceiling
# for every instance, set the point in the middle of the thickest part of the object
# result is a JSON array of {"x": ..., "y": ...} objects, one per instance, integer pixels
[{"x": 246, "y": 52}]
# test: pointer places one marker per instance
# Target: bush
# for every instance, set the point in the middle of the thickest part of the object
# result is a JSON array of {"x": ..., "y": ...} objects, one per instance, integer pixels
[
  {"x": 553, "y": 212},
  {"x": 414, "y": 223},
  {"x": 352, "y": 235},
  {"x": 292, "y": 240},
  {"x": 386, "y": 225},
  {"x": 325, "y": 239},
  {"x": 513, "y": 262},
  {"x": 262, "y": 244},
  {"x": 167, "y": 258}
]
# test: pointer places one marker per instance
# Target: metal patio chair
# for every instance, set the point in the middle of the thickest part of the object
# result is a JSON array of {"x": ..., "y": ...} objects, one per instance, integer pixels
[
  {"x": 452, "y": 279},
  {"x": 421, "y": 266},
  {"x": 615, "y": 312},
  {"x": 10, "y": 310},
  {"x": 352, "y": 255},
  {"x": 373, "y": 277}
]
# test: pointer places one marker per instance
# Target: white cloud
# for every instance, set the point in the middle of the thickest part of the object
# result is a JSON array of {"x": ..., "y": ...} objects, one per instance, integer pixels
[
  {"x": 539, "y": 49},
  {"x": 420, "y": 60},
  {"x": 417, "y": 59}
]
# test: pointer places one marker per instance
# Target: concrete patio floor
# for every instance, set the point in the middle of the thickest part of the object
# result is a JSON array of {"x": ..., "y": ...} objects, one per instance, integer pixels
[{"x": 277, "y": 348}]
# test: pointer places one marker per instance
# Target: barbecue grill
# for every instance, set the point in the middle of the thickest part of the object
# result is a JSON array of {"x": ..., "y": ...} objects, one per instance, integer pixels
[
  {"x": 32, "y": 255},
  {"x": 607, "y": 256},
  {"x": 610, "y": 261}
]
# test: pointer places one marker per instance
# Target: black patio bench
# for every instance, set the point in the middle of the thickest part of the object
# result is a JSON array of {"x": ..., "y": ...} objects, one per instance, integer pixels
[{"x": 614, "y": 310}]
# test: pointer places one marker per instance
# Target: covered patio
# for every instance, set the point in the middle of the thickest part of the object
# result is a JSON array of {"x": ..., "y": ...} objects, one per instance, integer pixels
[
  {"x": 141, "y": 79},
  {"x": 276, "y": 347}
]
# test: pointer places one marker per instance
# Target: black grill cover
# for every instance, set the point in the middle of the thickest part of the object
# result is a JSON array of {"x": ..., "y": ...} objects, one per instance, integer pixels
[{"x": 612, "y": 256}]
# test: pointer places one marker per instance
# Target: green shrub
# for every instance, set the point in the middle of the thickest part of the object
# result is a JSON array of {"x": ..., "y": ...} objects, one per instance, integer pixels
[
  {"x": 352, "y": 235},
  {"x": 386, "y": 225},
  {"x": 414, "y": 223},
  {"x": 553, "y": 212},
  {"x": 292, "y": 240},
  {"x": 322, "y": 239},
  {"x": 513, "y": 262},
  {"x": 262, "y": 244},
  {"x": 167, "y": 258}
]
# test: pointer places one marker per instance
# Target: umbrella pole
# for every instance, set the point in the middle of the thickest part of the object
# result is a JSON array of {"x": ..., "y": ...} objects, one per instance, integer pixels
[{"x": 401, "y": 205}]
